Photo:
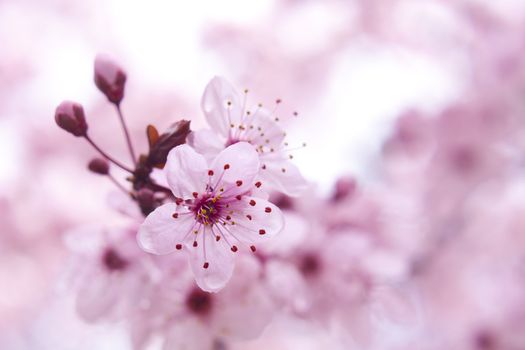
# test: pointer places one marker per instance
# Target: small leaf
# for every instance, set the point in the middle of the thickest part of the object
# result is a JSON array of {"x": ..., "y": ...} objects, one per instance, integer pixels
[
  {"x": 173, "y": 137},
  {"x": 153, "y": 135}
]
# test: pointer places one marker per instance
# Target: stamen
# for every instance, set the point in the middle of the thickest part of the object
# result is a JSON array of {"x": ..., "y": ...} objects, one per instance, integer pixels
[
  {"x": 238, "y": 183},
  {"x": 175, "y": 215},
  {"x": 210, "y": 172},
  {"x": 249, "y": 217},
  {"x": 178, "y": 246},
  {"x": 234, "y": 249},
  {"x": 253, "y": 248},
  {"x": 226, "y": 166},
  {"x": 268, "y": 209},
  {"x": 252, "y": 203},
  {"x": 258, "y": 184},
  {"x": 206, "y": 265},
  {"x": 262, "y": 232}
]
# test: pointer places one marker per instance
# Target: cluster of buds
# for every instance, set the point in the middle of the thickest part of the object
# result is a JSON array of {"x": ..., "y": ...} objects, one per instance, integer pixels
[{"x": 110, "y": 79}]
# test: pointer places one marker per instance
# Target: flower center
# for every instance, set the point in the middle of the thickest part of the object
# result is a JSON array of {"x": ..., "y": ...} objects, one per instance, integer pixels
[
  {"x": 309, "y": 264},
  {"x": 199, "y": 302},
  {"x": 113, "y": 261},
  {"x": 207, "y": 210}
]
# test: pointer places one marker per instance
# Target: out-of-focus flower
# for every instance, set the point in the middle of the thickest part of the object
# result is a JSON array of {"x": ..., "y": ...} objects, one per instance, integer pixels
[
  {"x": 110, "y": 78},
  {"x": 231, "y": 121},
  {"x": 213, "y": 210},
  {"x": 110, "y": 273},
  {"x": 186, "y": 317}
]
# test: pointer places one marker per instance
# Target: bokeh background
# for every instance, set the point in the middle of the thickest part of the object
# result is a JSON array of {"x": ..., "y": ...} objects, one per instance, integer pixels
[{"x": 349, "y": 67}]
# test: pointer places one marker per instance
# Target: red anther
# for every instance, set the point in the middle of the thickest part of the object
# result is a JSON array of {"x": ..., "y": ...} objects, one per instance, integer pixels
[
  {"x": 217, "y": 238},
  {"x": 252, "y": 203},
  {"x": 234, "y": 249},
  {"x": 239, "y": 197},
  {"x": 253, "y": 248},
  {"x": 258, "y": 184},
  {"x": 226, "y": 166},
  {"x": 210, "y": 172},
  {"x": 238, "y": 183},
  {"x": 228, "y": 217},
  {"x": 206, "y": 265},
  {"x": 268, "y": 209},
  {"x": 178, "y": 246},
  {"x": 262, "y": 232},
  {"x": 278, "y": 101},
  {"x": 195, "y": 194},
  {"x": 249, "y": 217},
  {"x": 195, "y": 243},
  {"x": 175, "y": 215}
]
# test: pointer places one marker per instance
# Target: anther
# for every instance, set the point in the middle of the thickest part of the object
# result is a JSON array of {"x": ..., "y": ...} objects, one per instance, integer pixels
[
  {"x": 217, "y": 238},
  {"x": 283, "y": 170},
  {"x": 210, "y": 172},
  {"x": 262, "y": 232},
  {"x": 252, "y": 203},
  {"x": 234, "y": 249},
  {"x": 258, "y": 184},
  {"x": 228, "y": 217},
  {"x": 195, "y": 244},
  {"x": 238, "y": 183},
  {"x": 253, "y": 248},
  {"x": 175, "y": 215},
  {"x": 249, "y": 216},
  {"x": 268, "y": 209},
  {"x": 195, "y": 194},
  {"x": 226, "y": 166},
  {"x": 278, "y": 101},
  {"x": 239, "y": 197},
  {"x": 206, "y": 265},
  {"x": 178, "y": 246}
]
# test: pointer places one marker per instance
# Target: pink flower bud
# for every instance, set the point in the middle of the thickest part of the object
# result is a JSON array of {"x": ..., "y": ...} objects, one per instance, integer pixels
[
  {"x": 70, "y": 117},
  {"x": 110, "y": 78},
  {"x": 99, "y": 166}
]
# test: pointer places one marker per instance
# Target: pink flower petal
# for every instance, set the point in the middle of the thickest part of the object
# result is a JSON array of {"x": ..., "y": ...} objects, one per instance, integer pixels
[
  {"x": 258, "y": 221},
  {"x": 242, "y": 166},
  {"x": 283, "y": 176},
  {"x": 221, "y": 106},
  {"x": 161, "y": 232},
  {"x": 217, "y": 256},
  {"x": 206, "y": 142},
  {"x": 186, "y": 171}
]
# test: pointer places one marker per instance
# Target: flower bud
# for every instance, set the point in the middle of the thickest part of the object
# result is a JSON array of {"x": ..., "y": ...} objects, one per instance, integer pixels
[
  {"x": 99, "y": 166},
  {"x": 70, "y": 117},
  {"x": 110, "y": 78}
]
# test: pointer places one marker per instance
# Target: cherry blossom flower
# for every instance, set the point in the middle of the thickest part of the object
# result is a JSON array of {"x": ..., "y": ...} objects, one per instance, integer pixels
[
  {"x": 214, "y": 212},
  {"x": 110, "y": 272},
  {"x": 202, "y": 320},
  {"x": 231, "y": 122}
]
